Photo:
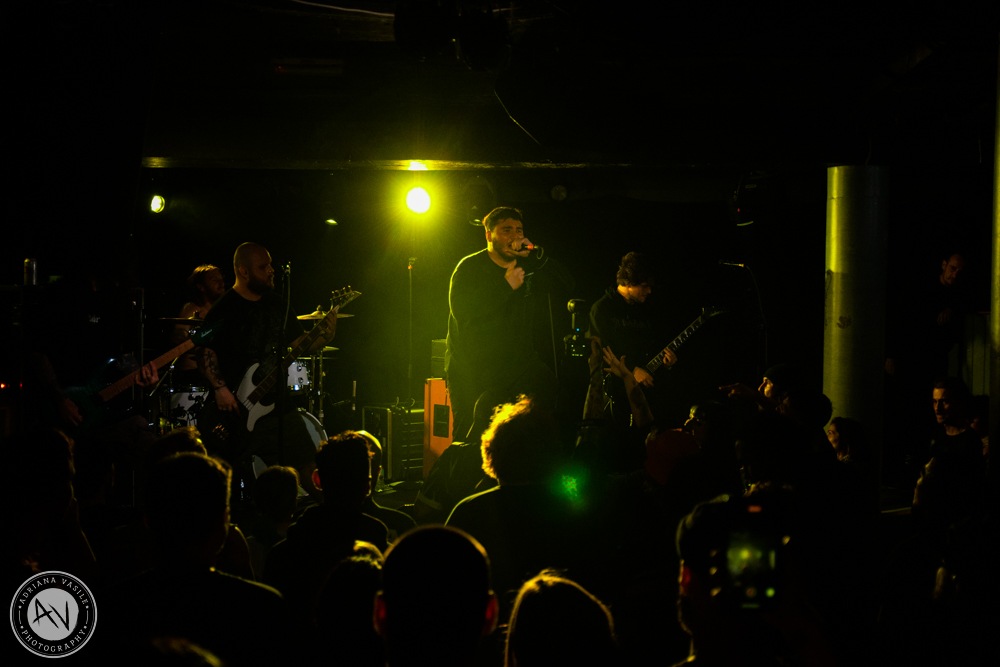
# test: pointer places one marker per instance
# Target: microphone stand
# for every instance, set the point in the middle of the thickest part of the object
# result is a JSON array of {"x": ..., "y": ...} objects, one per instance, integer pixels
[
  {"x": 279, "y": 353},
  {"x": 409, "y": 345},
  {"x": 154, "y": 396}
]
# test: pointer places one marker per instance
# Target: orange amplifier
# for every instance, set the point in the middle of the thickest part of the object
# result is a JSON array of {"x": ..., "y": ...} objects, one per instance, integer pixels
[{"x": 437, "y": 421}]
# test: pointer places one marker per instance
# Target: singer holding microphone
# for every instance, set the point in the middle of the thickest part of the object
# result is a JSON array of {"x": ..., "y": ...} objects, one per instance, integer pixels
[{"x": 489, "y": 356}]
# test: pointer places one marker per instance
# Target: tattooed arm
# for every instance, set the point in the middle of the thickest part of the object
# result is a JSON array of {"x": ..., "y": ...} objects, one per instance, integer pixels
[{"x": 208, "y": 364}]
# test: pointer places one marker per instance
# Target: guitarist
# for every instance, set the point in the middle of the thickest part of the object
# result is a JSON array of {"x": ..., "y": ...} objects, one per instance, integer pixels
[
  {"x": 254, "y": 325},
  {"x": 623, "y": 320},
  {"x": 71, "y": 329}
]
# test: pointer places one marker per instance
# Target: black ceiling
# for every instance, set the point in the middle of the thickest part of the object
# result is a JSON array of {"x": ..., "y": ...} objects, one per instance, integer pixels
[
  {"x": 105, "y": 96},
  {"x": 286, "y": 84}
]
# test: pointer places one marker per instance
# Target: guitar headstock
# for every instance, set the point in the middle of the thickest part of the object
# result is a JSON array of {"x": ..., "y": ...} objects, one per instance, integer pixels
[
  {"x": 708, "y": 312},
  {"x": 203, "y": 334},
  {"x": 343, "y": 296}
]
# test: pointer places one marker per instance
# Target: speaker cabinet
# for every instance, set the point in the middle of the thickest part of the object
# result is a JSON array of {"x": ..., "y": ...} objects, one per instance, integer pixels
[
  {"x": 437, "y": 421},
  {"x": 401, "y": 433}
]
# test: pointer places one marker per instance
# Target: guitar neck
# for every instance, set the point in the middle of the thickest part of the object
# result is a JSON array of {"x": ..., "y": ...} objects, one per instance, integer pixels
[
  {"x": 319, "y": 334},
  {"x": 654, "y": 364},
  {"x": 303, "y": 345},
  {"x": 132, "y": 379}
]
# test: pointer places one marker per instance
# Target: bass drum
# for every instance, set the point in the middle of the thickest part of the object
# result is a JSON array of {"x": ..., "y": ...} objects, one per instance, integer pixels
[{"x": 302, "y": 434}]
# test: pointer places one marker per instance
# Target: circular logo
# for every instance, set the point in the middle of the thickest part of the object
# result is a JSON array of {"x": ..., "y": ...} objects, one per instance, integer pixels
[{"x": 53, "y": 614}]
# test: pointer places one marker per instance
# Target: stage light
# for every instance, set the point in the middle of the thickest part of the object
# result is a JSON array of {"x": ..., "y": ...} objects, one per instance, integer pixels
[
  {"x": 418, "y": 200},
  {"x": 157, "y": 204}
]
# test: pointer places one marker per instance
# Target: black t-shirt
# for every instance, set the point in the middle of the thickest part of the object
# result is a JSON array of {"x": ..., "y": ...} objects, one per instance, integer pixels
[
  {"x": 488, "y": 323},
  {"x": 628, "y": 328},
  {"x": 247, "y": 332}
]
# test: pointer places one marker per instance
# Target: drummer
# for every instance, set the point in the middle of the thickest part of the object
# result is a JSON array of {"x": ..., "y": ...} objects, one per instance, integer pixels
[{"x": 206, "y": 284}]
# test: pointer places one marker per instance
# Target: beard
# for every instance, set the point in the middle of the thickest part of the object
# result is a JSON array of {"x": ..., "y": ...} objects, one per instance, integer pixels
[{"x": 258, "y": 286}]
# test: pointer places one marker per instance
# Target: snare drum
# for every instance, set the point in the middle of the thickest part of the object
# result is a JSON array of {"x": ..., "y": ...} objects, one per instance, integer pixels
[
  {"x": 185, "y": 404},
  {"x": 298, "y": 375}
]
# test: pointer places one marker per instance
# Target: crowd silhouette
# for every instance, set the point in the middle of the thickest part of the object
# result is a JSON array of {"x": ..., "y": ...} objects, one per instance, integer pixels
[{"x": 749, "y": 534}]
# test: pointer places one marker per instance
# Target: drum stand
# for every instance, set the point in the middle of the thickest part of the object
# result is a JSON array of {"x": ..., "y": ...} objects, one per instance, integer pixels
[
  {"x": 160, "y": 412},
  {"x": 317, "y": 394},
  {"x": 315, "y": 403}
]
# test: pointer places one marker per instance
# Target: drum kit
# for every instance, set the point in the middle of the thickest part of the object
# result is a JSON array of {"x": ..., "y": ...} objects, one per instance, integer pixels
[{"x": 182, "y": 401}]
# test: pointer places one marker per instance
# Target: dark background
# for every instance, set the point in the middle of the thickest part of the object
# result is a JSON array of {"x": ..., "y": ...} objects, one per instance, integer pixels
[{"x": 669, "y": 128}]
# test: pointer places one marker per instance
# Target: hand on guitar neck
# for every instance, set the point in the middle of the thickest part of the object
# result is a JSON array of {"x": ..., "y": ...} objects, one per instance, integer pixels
[
  {"x": 644, "y": 377},
  {"x": 250, "y": 393},
  {"x": 642, "y": 374}
]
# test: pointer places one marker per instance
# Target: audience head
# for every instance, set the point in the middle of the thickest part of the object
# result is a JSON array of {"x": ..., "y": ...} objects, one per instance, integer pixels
[
  {"x": 345, "y": 608},
  {"x": 734, "y": 567},
  {"x": 848, "y": 439},
  {"x": 950, "y": 398},
  {"x": 952, "y": 268},
  {"x": 344, "y": 469},
  {"x": 187, "y": 505},
  {"x": 482, "y": 414},
  {"x": 276, "y": 492},
  {"x": 711, "y": 422},
  {"x": 40, "y": 490},
  {"x": 521, "y": 444},
  {"x": 175, "y": 441},
  {"x": 175, "y": 652},
  {"x": 779, "y": 381},
  {"x": 666, "y": 451},
  {"x": 436, "y": 602},
  {"x": 557, "y": 621}
]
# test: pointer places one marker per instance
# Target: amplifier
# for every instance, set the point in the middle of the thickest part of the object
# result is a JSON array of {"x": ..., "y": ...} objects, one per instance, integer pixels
[
  {"x": 438, "y": 346},
  {"x": 401, "y": 433},
  {"x": 437, "y": 421}
]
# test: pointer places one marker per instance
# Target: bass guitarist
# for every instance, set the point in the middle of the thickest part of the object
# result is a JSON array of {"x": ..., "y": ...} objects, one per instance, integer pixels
[{"x": 254, "y": 326}]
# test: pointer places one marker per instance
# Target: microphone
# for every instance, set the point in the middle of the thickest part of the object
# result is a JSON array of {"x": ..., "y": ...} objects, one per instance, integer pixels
[
  {"x": 287, "y": 268},
  {"x": 529, "y": 246},
  {"x": 737, "y": 264}
]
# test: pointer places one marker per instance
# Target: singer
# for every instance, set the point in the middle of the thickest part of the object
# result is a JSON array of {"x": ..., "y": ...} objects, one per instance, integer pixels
[{"x": 489, "y": 353}]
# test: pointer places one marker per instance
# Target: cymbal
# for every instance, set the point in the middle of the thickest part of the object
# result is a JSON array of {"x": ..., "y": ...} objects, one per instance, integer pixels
[
  {"x": 317, "y": 353},
  {"x": 318, "y": 315},
  {"x": 182, "y": 320}
]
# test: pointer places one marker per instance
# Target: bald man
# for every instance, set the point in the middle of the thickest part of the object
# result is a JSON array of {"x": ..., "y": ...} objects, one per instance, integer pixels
[{"x": 253, "y": 330}]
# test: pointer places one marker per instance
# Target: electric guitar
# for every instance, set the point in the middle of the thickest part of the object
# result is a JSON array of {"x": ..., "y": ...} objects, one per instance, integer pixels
[
  {"x": 613, "y": 389},
  {"x": 707, "y": 313},
  {"x": 225, "y": 428},
  {"x": 94, "y": 399}
]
